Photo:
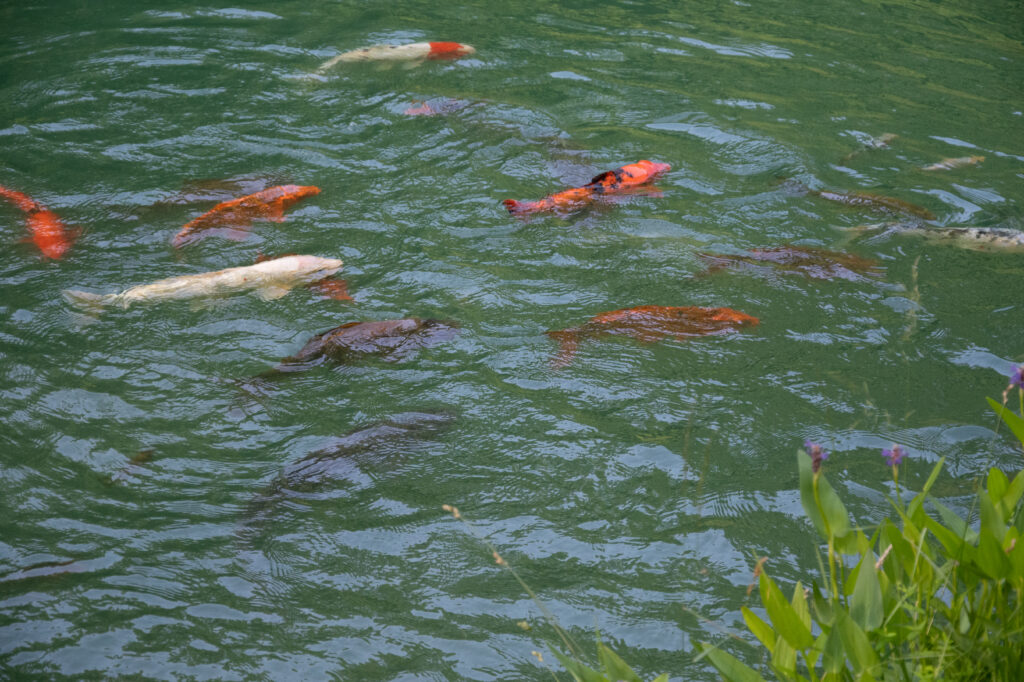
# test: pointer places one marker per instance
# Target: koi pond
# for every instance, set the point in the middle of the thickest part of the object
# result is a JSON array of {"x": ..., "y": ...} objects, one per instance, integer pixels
[{"x": 200, "y": 487}]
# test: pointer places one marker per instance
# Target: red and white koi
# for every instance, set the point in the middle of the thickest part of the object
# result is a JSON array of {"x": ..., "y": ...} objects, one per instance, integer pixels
[
  {"x": 610, "y": 182},
  {"x": 411, "y": 52}
]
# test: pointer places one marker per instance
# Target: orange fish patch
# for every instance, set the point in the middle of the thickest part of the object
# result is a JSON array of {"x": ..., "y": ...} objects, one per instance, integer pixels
[
  {"x": 269, "y": 204},
  {"x": 649, "y": 324}
]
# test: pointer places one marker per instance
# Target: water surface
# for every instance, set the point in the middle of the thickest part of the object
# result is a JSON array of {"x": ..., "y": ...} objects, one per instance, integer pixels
[{"x": 632, "y": 489}]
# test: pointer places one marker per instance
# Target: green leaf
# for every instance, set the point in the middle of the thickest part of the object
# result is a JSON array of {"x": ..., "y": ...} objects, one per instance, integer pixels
[
  {"x": 579, "y": 672},
  {"x": 614, "y": 667},
  {"x": 822, "y": 609},
  {"x": 1012, "y": 495},
  {"x": 799, "y": 604},
  {"x": 855, "y": 643},
  {"x": 997, "y": 485},
  {"x": 991, "y": 558},
  {"x": 786, "y": 621},
  {"x": 729, "y": 666},
  {"x": 991, "y": 520},
  {"x": 1012, "y": 420},
  {"x": 866, "y": 602},
  {"x": 955, "y": 523},
  {"x": 834, "y": 657},
  {"x": 661, "y": 678},
  {"x": 761, "y": 629},
  {"x": 831, "y": 519}
]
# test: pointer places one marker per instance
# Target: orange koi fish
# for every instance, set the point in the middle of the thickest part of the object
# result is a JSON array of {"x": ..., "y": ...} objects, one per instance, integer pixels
[
  {"x": 48, "y": 232},
  {"x": 328, "y": 287},
  {"x": 610, "y": 182},
  {"x": 411, "y": 52},
  {"x": 650, "y": 323},
  {"x": 809, "y": 261},
  {"x": 269, "y": 204}
]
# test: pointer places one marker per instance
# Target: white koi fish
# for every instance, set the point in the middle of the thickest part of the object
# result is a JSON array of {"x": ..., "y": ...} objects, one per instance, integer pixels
[
  {"x": 973, "y": 238},
  {"x": 950, "y": 164},
  {"x": 270, "y": 280},
  {"x": 411, "y": 52}
]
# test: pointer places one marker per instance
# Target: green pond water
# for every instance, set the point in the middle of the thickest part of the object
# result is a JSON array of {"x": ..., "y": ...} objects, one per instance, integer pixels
[{"x": 634, "y": 489}]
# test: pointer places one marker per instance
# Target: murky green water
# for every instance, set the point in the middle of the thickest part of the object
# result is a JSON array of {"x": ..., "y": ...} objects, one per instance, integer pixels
[{"x": 631, "y": 489}]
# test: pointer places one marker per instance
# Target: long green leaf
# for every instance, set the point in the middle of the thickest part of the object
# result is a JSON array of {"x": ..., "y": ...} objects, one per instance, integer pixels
[
  {"x": 991, "y": 558},
  {"x": 831, "y": 517},
  {"x": 614, "y": 667},
  {"x": 866, "y": 602},
  {"x": 579, "y": 672},
  {"x": 1012, "y": 420},
  {"x": 855, "y": 643},
  {"x": 732, "y": 668},
  {"x": 1012, "y": 495},
  {"x": 761, "y": 629},
  {"x": 786, "y": 621}
]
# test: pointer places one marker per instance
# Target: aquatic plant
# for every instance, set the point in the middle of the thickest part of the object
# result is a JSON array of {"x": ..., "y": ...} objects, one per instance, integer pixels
[{"x": 928, "y": 596}]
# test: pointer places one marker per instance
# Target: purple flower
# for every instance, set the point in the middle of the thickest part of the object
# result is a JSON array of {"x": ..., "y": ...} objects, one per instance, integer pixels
[
  {"x": 894, "y": 456},
  {"x": 817, "y": 453},
  {"x": 1017, "y": 377}
]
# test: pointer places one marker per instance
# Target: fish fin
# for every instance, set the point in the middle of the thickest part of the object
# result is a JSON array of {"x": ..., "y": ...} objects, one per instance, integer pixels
[
  {"x": 408, "y": 66},
  {"x": 86, "y": 301},
  {"x": 336, "y": 289},
  {"x": 235, "y": 235},
  {"x": 568, "y": 341},
  {"x": 272, "y": 292}
]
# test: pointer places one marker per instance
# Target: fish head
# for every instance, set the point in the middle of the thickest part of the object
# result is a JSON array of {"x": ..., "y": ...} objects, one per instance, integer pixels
[
  {"x": 653, "y": 168},
  {"x": 449, "y": 50},
  {"x": 303, "y": 191},
  {"x": 734, "y": 317},
  {"x": 303, "y": 267}
]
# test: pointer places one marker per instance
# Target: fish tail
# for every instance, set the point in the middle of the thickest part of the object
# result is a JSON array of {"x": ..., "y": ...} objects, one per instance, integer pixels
[
  {"x": 88, "y": 302},
  {"x": 568, "y": 341},
  {"x": 20, "y": 199}
]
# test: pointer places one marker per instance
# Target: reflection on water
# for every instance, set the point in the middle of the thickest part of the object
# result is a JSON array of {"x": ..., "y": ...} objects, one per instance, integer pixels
[{"x": 631, "y": 489}]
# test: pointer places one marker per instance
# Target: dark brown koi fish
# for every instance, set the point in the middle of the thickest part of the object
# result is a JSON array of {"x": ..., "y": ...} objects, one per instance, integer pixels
[
  {"x": 390, "y": 340},
  {"x": 651, "y": 323},
  {"x": 268, "y": 204},
  {"x": 808, "y": 261},
  {"x": 876, "y": 202},
  {"x": 378, "y": 444}
]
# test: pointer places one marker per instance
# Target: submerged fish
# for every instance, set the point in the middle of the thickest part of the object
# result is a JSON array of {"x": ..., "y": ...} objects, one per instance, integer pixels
[
  {"x": 973, "y": 238},
  {"x": 270, "y": 280},
  {"x": 880, "y": 142},
  {"x": 809, "y": 261},
  {"x": 959, "y": 162},
  {"x": 609, "y": 182},
  {"x": 446, "y": 105},
  {"x": 388, "y": 339},
  {"x": 380, "y": 443},
  {"x": 411, "y": 52},
  {"x": 48, "y": 232},
  {"x": 268, "y": 204},
  {"x": 650, "y": 323},
  {"x": 875, "y": 202}
]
